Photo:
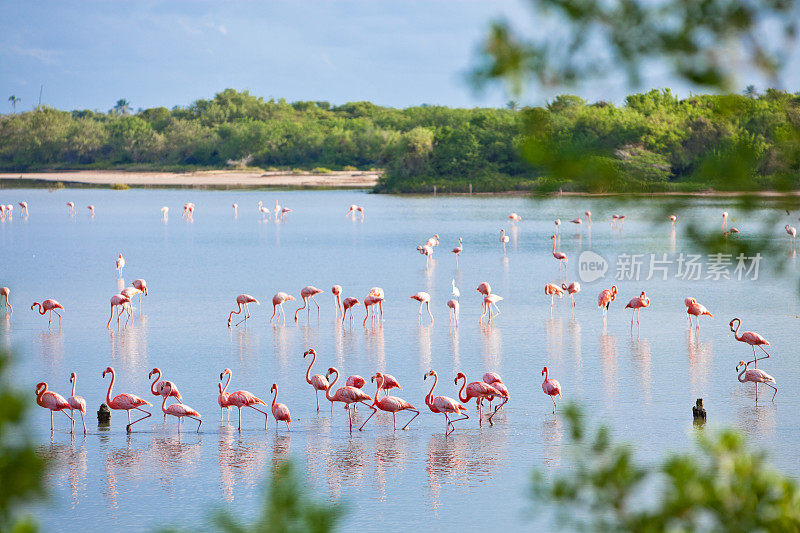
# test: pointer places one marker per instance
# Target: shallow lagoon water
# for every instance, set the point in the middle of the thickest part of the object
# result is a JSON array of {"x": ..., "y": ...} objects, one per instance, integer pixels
[{"x": 642, "y": 385}]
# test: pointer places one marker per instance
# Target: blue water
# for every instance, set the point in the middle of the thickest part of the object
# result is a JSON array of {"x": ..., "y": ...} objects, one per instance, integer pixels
[{"x": 642, "y": 385}]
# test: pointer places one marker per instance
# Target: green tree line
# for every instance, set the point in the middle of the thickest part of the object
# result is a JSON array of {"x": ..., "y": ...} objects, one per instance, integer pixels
[{"x": 654, "y": 141}]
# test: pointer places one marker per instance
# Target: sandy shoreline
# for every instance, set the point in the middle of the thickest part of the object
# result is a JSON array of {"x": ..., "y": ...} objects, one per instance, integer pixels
[{"x": 206, "y": 178}]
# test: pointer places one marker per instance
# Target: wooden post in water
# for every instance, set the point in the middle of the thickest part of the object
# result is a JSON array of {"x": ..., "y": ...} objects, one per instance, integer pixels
[{"x": 470, "y": 189}]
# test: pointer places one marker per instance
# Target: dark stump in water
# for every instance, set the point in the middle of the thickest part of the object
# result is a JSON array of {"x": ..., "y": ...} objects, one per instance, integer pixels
[
  {"x": 698, "y": 412},
  {"x": 103, "y": 414}
]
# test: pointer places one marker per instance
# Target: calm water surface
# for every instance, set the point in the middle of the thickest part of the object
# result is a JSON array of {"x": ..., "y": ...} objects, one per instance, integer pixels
[{"x": 643, "y": 386}]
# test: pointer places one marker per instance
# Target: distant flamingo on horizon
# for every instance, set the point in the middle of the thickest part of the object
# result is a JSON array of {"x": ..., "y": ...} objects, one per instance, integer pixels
[
  {"x": 444, "y": 405},
  {"x": 125, "y": 402},
  {"x": 457, "y": 250},
  {"x": 389, "y": 404},
  {"x": 53, "y": 401},
  {"x": 673, "y": 219}
]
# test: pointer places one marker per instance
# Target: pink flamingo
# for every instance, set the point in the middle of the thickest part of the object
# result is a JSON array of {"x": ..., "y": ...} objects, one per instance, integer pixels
[
  {"x": 356, "y": 209},
  {"x": 4, "y": 293},
  {"x": 614, "y": 219},
  {"x": 76, "y": 403},
  {"x": 551, "y": 387},
  {"x": 637, "y": 304},
  {"x": 53, "y": 401},
  {"x": 157, "y": 387},
  {"x": 306, "y": 293},
  {"x": 118, "y": 300},
  {"x": 141, "y": 286},
  {"x": 240, "y": 398},
  {"x": 178, "y": 410},
  {"x": 279, "y": 410},
  {"x": 488, "y": 301},
  {"x": 588, "y": 217},
  {"x": 724, "y": 221},
  {"x": 235, "y": 210},
  {"x": 346, "y": 395},
  {"x": 444, "y": 405},
  {"x": 23, "y": 208},
  {"x": 242, "y": 302},
  {"x": 478, "y": 390},
  {"x": 756, "y": 376},
  {"x": 458, "y": 249},
  {"x": 125, "y": 402},
  {"x": 557, "y": 222},
  {"x": 317, "y": 381},
  {"x": 504, "y": 239},
  {"x": 265, "y": 212},
  {"x": 389, "y": 404},
  {"x": 91, "y": 209},
  {"x": 277, "y": 305},
  {"x": 424, "y": 299},
  {"x": 453, "y": 305},
  {"x": 695, "y": 309},
  {"x": 223, "y": 400},
  {"x": 605, "y": 298},
  {"x": 494, "y": 379},
  {"x": 336, "y": 290},
  {"x": 560, "y": 256},
  {"x": 348, "y": 304},
  {"x": 552, "y": 290},
  {"x": 573, "y": 289},
  {"x": 515, "y": 217},
  {"x": 378, "y": 293},
  {"x": 355, "y": 381},
  {"x": 792, "y": 232},
  {"x": 753, "y": 339},
  {"x": 427, "y": 251},
  {"x": 71, "y": 208},
  {"x": 49, "y": 306},
  {"x": 389, "y": 382},
  {"x": 281, "y": 215},
  {"x": 369, "y": 301},
  {"x": 673, "y": 219},
  {"x": 577, "y": 221},
  {"x": 120, "y": 265}
]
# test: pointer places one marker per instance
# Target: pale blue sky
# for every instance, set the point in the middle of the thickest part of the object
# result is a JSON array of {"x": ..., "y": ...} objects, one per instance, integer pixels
[{"x": 88, "y": 54}]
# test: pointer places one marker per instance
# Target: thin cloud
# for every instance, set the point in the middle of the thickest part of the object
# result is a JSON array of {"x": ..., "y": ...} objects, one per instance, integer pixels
[{"x": 48, "y": 57}]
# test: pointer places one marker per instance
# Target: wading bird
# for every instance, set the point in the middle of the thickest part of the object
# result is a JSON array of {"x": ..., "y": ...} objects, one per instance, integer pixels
[
  {"x": 427, "y": 251},
  {"x": 756, "y": 376},
  {"x": 242, "y": 302},
  {"x": 573, "y": 288},
  {"x": 91, "y": 210},
  {"x": 494, "y": 379},
  {"x": 504, "y": 239},
  {"x": 637, "y": 304},
  {"x": 347, "y": 395},
  {"x": 165, "y": 212},
  {"x": 306, "y": 293},
  {"x": 673, "y": 219},
  {"x": 317, "y": 381},
  {"x": 369, "y": 301},
  {"x": 553, "y": 290},
  {"x": 336, "y": 290},
  {"x": 51, "y": 400},
  {"x": 157, "y": 387},
  {"x": 71, "y": 208},
  {"x": 5, "y": 292},
  {"x": 378, "y": 293},
  {"x": 389, "y": 404},
  {"x": 697, "y": 310},
  {"x": 49, "y": 306},
  {"x": 356, "y": 209},
  {"x": 235, "y": 210},
  {"x": 515, "y": 217},
  {"x": 76, "y": 403},
  {"x": 479, "y": 390},
  {"x": 118, "y": 300},
  {"x": 120, "y": 265},
  {"x": 277, "y": 305},
  {"x": 178, "y": 410},
  {"x": 458, "y": 249},
  {"x": 424, "y": 299},
  {"x": 240, "y": 398},
  {"x": 560, "y": 256},
  {"x": 488, "y": 301},
  {"x": 348, "y": 304},
  {"x": 588, "y": 217},
  {"x": 753, "y": 339},
  {"x": 125, "y": 402},
  {"x": 551, "y": 387},
  {"x": 279, "y": 410},
  {"x": 23, "y": 208},
  {"x": 792, "y": 232},
  {"x": 444, "y": 405},
  {"x": 453, "y": 305},
  {"x": 263, "y": 210},
  {"x": 605, "y": 298}
]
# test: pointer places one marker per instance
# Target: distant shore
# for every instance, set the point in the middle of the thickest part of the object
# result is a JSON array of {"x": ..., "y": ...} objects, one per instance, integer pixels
[{"x": 203, "y": 178}]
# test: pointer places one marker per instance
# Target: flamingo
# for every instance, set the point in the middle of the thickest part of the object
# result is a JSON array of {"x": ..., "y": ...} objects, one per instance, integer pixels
[
  {"x": 458, "y": 249},
  {"x": 792, "y": 232},
  {"x": 4, "y": 293},
  {"x": 165, "y": 213},
  {"x": 488, "y": 301},
  {"x": 120, "y": 265},
  {"x": 456, "y": 292},
  {"x": 157, "y": 387},
  {"x": 515, "y": 217},
  {"x": 118, "y": 300},
  {"x": 504, "y": 239},
  {"x": 756, "y": 376},
  {"x": 348, "y": 303},
  {"x": 378, "y": 293},
  {"x": 356, "y": 209},
  {"x": 424, "y": 299},
  {"x": 614, "y": 219},
  {"x": 389, "y": 404},
  {"x": 317, "y": 381},
  {"x": 279, "y": 410},
  {"x": 636, "y": 304},
  {"x": 263, "y": 210},
  {"x": 621, "y": 220},
  {"x": 573, "y": 288},
  {"x": 223, "y": 400},
  {"x": 427, "y": 251},
  {"x": 588, "y": 217},
  {"x": 553, "y": 290},
  {"x": 283, "y": 212},
  {"x": 188, "y": 211},
  {"x": 125, "y": 402},
  {"x": 724, "y": 221},
  {"x": 560, "y": 256},
  {"x": 494, "y": 379},
  {"x": 605, "y": 298},
  {"x": 277, "y": 302},
  {"x": 23, "y": 208},
  {"x": 477, "y": 389},
  {"x": 369, "y": 301},
  {"x": 695, "y": 309},
  {"x": 76, "y": 403},
  {"x": 336, "y": 290},
  {"x": 235, "y": 210},
  {"x": 91, "y": 209},
  {"x": 141, "y": 285},
  {"x": 242, "y": 303},
  {"x": 453, "y": 305},
  {"x": 433, "y": 241},
  {"x": 178, "y": 410},
  {"x": 346, "y": 395},
  {"x": 485, "y": 289},
  {"x": 240, "y": 398},
  {"x": 557, "y": 222},
  {"x": 53, "y": 401},
  {"x": 71, "y": 208},
  {"x": 49, "y": 306},
  {"x": 306, "y": 293},
  {"x": 673, "y": 219},
  {"x": 551, "y": 387},
  {"x": 444, "y": 405},
  {"x": 577, "y": 221},
  {"x": 753, "y": 339}
]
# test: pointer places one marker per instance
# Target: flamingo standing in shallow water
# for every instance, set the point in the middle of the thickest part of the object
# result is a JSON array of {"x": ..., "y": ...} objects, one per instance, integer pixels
[
  {"x": 377, "y": 292},
  {"x": 424, "y": 299},
  {"x": 444, "y": 405},
  {"x": 263, "y": 210},
  {"x": 515, "y": 217},
  {"x": 178, "y": 410},
  {"x": 494, "y": 379},
  {"x": 458, "y": 249},
  {"x": 504, "y": 239},
  {"x": 235, "y": 210},
  {"x": 369, "y": 301},
  {"x": 485, "y": 289},
  {"x": 695, "y": 309},
  {"x": 792, "y": 232},
  {"x": 336, "y": 290},
  {"x": 479, "y": 390},
  {"x": 141, "y": 286},
  {"x": 91, "y": 210},
  {"x": 242, "y": 302},
  {"x": 306, "y": 293},
  {"x": 125, "y": 402},
  {"x": 560, "y": 256},
  {"x": 551, "y": 387},
  {"x": 724, "y": 221},
  {"x": 490, "y": 300},
  {"x": 157, "y": 387},
  {"x": 49, "y": 306},
  {"x": 120, "y": 265},
  {"x": 240, "y": 398},
  {"x": 23, "y": 208},
  {"x": 356, "y": 209},
  {"x": 573, "y": 288},
  {"x": 588, "y": 217},
  {"x": 637, "y": 304},
  {"x": 76, "y": 403},
  {"x": 51, "y": 400},
  {"x": 277, "y": 305},
  {"x": 756, "y": 376},
  {"x": 673, "y": 219},
  {"x": 453, "y": 305},
  {"x": 557, "y": 222},
  {"x": 347, "y": 304},
  {"x": 279, "y": 410},
  {"x": 753, "y": 339},
  {"x": 346, "y": 395},
  {"x": 553, "y": 290},
  {"x": 427, "y": 251},
  {"x": 605, "y": 298},
  {"x": 389, "y": 404},
  {"x": 71, "y": 208},
  {"x": 317, "y": 381},
  {"x": 4, "y": 293},
  {"x": 118, "y": 300}
]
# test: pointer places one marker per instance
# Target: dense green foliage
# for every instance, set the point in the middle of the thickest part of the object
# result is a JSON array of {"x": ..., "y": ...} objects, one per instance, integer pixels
[
  {"x": 654, "y": 142},
  {"x": 724, "y": 487}
]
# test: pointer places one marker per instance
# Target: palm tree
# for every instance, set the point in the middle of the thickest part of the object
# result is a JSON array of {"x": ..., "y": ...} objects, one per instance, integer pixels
[
  {"x": 14, "y": 101},
  {"x": 751, "y": 91},
  {"x": 122, "y": 107}
]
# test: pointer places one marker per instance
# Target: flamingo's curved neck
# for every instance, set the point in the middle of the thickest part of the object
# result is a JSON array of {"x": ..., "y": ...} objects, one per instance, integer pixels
[
  {"x": 41, "y": 308},
  {"x": 429, "y": 397},
  {"x": 379, "y": 384},
  {"x": 226, "y": 384},
  {"x": 110, "y": 385},
  {"x": 75, "y": 379},
  {"x": 739, "y": 377},
  {"x": 460, "y": 392},
  {"x": 546, "y": 374},
  {"x": 736, "y": 332},
  {"x": 153, "y": 386},
  {"x": 275, "y": 398},
  {"x": 554, "y": 247},
  {"x": 308, "y": 372},
  {"x": 330, "y": 386},
  {"x": 40, "y": 394},
  {"x": 164, "y": 404}
]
